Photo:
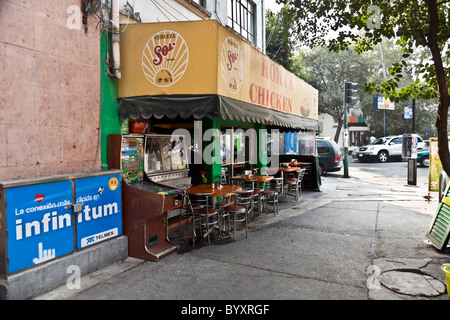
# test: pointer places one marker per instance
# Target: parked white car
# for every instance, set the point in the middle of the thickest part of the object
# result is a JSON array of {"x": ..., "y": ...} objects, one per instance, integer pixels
[{"x": 384, "y": 148}]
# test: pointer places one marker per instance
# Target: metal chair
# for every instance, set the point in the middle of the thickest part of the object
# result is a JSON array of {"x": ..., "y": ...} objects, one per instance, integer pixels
[
  {"x": 256, "y": 195},
  {"x": 185, "y": 210},
  {"x": 295, "y": 185},
  {"x": 223, "y": 215},
  {"x": 204, "y": 217},
  {"x": 307, "y": 179},
  {"x": 272, "y": 195},
  {"x": 238, "y": 211},
  {"x": 224, "y": 176}
]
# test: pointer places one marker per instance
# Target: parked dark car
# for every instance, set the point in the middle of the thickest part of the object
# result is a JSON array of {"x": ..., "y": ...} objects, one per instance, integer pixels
[
  {"x": 423, "y": 157},
  {"x": 330, "y": 156}
]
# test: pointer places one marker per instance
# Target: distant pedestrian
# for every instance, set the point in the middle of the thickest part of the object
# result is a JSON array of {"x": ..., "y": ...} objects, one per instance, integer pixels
[{"x": 372, "y": 139}]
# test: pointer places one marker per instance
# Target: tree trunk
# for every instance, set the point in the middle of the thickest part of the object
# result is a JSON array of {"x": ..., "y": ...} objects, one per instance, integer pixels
[
  {"x": 338, "y": 130},
  {"x": 442, "y": 94}
]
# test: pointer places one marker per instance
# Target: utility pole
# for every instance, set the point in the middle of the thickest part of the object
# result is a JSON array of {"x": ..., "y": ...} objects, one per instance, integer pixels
[{"x": 349, "y": 91}]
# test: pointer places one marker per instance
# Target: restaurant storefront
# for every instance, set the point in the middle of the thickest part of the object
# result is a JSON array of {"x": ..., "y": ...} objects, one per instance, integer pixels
[
  {"x": 359, "y": 132},
  {"x": 200, "y": 75}
]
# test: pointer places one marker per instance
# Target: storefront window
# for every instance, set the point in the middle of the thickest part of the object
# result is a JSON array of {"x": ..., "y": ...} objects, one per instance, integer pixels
[
  {"x": 300, "y": 143},
  {"x": 307, "y": 143},
  {"x": 239, "y": 146},
  {"x": 226, "y": 147},
  {"x": 275, "y": 143}
]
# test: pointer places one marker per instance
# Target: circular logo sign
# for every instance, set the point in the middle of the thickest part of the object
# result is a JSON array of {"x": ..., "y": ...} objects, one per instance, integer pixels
[
  {"x": 165, "y": 58},
  {"x": 113, "y": 183},
  {"x": 232, "y": 64}
]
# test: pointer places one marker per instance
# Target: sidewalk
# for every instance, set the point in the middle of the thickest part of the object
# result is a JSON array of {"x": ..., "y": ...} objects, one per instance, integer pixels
[{"x": 353, "y": 241}]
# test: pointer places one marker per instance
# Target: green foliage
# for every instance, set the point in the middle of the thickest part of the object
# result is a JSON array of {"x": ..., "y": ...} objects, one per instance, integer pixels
[
  {"x": 327, "y": 71},
  {"x": 279, "y": 43},
  {"x": 363, "y": 24}
]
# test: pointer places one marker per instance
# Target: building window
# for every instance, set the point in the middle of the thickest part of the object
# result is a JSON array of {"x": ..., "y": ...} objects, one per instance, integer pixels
[
  {"x": 200, "y": 2},
  {"x": 196, "y": 6},
  {"x": 241, "y": 18}
]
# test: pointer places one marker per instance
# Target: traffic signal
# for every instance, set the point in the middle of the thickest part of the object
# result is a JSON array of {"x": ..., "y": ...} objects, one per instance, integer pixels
[{"x": 349, "y": 92}]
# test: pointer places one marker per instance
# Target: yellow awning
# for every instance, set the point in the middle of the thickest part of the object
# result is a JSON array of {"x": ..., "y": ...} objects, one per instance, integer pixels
[{"x": 194, "y": 59}]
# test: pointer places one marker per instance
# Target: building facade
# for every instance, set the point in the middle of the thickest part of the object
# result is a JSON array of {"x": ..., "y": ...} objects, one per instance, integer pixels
[
  {"x": 73, "y": 72},
  {"x": 50, "y": 84}
]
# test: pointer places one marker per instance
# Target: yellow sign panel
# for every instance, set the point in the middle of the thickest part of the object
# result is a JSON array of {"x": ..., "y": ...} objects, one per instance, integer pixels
[
  {"x": 435, "y": 167},
  {"x": 203, "y": 57},
  {"x": 168, "y": 58}
]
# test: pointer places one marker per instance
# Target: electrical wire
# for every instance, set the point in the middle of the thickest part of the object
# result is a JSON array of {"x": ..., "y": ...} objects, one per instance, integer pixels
[
  {"x": 273, "y": 58},
  {"x": 215, "y": 11},
  {"x": 156, "y": 5},
  {"x": 273, "y": 30},
  {"x": 176, "y": 10},
  {"x": 90, "y": 9}
]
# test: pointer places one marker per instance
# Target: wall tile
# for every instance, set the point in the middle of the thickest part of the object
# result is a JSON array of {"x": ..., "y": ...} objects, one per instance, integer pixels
[
  {"x": 3, "y": 157},
  {"x": 16, "y": 25},
  {"x": 47, "y": 107},
  {"x": 21, "y": 145},
  {"x": 48, "y": 145}
]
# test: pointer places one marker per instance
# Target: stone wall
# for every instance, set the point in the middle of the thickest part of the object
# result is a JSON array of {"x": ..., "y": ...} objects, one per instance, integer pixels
[{"x": 50, "y": 90}]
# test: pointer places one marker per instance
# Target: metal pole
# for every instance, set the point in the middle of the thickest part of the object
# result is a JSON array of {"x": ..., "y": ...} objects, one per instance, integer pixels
[
  {"x": 345, "y": 142},
  {"x": 413, "y": 165}
]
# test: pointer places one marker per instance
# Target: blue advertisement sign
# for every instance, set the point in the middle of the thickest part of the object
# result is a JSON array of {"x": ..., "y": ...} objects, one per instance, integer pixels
[
  {"x": 407, "y": 113},
  {"x": 414, "y": 147},
  {"x": 40, "y": 223},
  {"x": 101, "y": 214},
  {"x": 291, "y": 142}
]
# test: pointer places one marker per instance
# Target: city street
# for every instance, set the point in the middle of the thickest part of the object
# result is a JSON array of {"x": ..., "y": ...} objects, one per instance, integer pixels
[
  {"x": 392, "y": 169},
  {"x": 116, "y": 114},
  {"x": 338, "y": 244}
]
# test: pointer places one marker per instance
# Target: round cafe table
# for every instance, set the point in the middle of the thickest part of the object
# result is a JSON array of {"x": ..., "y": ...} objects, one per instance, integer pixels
[
  {"x": 297, "y": 163},
  {"x": 207, "y": 189},
  {"x": 257, "y": 177},
  {"x": 289, "y": 169}
]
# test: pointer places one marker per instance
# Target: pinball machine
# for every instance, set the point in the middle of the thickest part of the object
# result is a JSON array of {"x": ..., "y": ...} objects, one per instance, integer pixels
[{"x": 152, "y": 166}]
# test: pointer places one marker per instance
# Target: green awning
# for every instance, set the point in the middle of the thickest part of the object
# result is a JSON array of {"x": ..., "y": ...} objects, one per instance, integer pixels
[{"x": 210, "y": 106}]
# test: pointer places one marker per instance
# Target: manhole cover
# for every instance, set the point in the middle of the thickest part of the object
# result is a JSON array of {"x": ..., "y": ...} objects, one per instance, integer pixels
[{"x": 412, "y": 282}]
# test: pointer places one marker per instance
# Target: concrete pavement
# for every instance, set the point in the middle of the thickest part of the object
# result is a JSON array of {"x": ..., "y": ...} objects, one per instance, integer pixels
[{"x": 361, "y": 238}]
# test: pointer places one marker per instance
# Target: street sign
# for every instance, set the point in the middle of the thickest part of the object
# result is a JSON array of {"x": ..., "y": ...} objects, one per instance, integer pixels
[
  {"x": 380, "y": 103},
  {"x": 346, "y": 138}
]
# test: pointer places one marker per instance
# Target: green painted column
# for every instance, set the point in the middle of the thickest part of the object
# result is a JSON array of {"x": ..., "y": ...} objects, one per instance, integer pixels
[
  {"x": 213, "y": 170},
  {"x": 109, "y": 118},
  {"x": 261, "y": 145}
]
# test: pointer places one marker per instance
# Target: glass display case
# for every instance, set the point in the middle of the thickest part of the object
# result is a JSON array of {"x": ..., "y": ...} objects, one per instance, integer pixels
[
  {"x": 165, "y": 153},
  {"x": 166, "y": 158}
]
